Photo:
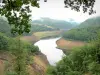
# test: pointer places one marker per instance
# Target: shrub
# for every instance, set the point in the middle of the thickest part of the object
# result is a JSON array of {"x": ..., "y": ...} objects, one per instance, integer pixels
[
  {"x": 31, "y": 48},
  {"x": 3, "y": 42},
  {"x": 80, "y": 62}
]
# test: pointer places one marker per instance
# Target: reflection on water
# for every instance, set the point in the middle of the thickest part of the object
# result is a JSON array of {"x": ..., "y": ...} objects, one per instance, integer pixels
[{"x": 48, "y": 47}]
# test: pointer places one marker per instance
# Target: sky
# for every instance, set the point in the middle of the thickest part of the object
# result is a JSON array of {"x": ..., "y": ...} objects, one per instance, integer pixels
[{"x": 55, "y": 9}]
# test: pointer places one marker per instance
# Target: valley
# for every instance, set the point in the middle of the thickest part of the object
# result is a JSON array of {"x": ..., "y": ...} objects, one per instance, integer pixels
[{"x": 48, "y": 47}]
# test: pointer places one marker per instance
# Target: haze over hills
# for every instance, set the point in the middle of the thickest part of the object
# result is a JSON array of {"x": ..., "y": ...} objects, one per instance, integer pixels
[
  {"x": 56, "y": 24},
  {"x": 42, "y": 24},
  {"x": 95, "y": 21},
  {"x": 86, "y": 31}
]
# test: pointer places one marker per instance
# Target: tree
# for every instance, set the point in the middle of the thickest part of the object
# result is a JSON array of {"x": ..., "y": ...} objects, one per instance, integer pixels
[
  {"x": 87, "y": 5},
  {"x": 18, "y": 15}
]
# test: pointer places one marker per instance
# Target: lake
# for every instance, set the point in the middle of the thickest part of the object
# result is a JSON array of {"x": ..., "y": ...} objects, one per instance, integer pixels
[{"x": 48, "y": 47}]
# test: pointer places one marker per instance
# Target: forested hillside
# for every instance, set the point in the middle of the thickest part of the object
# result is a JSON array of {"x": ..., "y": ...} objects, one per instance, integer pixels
[
  {"x": 85, "y": 31},
  {"x": 83, "y": 60},
  {"x": 57, "y": 24},
  {"x": 4, "y": 27},
  {"x": 39, "y": 27}
]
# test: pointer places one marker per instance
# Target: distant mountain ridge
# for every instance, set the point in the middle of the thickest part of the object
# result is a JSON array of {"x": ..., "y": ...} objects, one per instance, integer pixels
[
  {"x": 56, "y": 24},
  {"x": 42, "y": 24},
  {"x": 87, "y": 30},
  {"x": 95, "y": 21}
]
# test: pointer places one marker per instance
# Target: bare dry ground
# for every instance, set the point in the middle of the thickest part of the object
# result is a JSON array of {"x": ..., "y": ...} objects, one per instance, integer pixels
[
  {"x": 38, "y": 67},
  {"x": 67, "y": 44},
  {"x": 40, "y": 64},
  {"x": 47, "y": 34},
  {"x": 31, "y": 39},
  {"x": 2, "y": 67}
]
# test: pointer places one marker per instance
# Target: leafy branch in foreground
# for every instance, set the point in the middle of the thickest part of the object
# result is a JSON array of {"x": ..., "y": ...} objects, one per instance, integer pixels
[
  {"x": 18, "y": 15},
  {"x": 86, "y": 5}
]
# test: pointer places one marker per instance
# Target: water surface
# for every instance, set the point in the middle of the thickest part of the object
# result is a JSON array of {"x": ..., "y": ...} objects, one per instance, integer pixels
[{"x": 48, "y": 47}]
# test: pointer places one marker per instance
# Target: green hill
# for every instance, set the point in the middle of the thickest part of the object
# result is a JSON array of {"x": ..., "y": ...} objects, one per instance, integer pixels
[
  {"x": 85, "y": 31},
  {"x": 56, "y": 24},
  {"x": 4, "y": 27},
  {"x": 95, "y": 21},
  {"x": 39, "y": 27}
]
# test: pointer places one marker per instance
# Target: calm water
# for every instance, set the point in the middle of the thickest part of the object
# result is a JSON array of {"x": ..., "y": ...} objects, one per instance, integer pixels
[{"x": 48, "y": 47}]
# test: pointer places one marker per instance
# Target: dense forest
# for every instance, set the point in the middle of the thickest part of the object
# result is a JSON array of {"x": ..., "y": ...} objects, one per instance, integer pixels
[{"x": 86, "y": 31}]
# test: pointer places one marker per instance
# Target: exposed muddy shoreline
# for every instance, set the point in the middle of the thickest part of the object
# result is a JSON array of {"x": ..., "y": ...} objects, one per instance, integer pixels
[{"x": 67, "y": 45}]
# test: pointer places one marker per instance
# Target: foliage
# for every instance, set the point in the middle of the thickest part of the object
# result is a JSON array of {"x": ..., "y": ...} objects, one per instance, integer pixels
[
  {"x": 3, "y": 42},
  {"x": 22, "y": 55},
  {"x": 31, "y": 48},
  {"x": 81, "y": 61},
  {"x": 86, "y": 31},
  {"x": 26, "y": 46},
  {"x": 4, "y": 27},
  {"x": 10, "y": 73},
  {"x": 87, "y": 5},
  {"x": 50, "y": 70},
  {"x": 17, "y": 13}
]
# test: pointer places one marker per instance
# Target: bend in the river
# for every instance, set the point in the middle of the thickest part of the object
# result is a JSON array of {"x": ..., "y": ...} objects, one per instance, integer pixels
[{"x": 48, "y": 47}]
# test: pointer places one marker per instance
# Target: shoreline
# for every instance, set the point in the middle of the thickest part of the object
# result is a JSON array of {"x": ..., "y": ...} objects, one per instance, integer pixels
[
  {"x": 40, "y": 62},
  {"x": 67, "y": 45}
]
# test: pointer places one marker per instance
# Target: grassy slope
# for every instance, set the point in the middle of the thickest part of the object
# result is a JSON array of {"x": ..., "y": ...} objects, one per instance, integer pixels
[
  {"x": 47, "y": 34},
  {"x": 31, "y": 39}
]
